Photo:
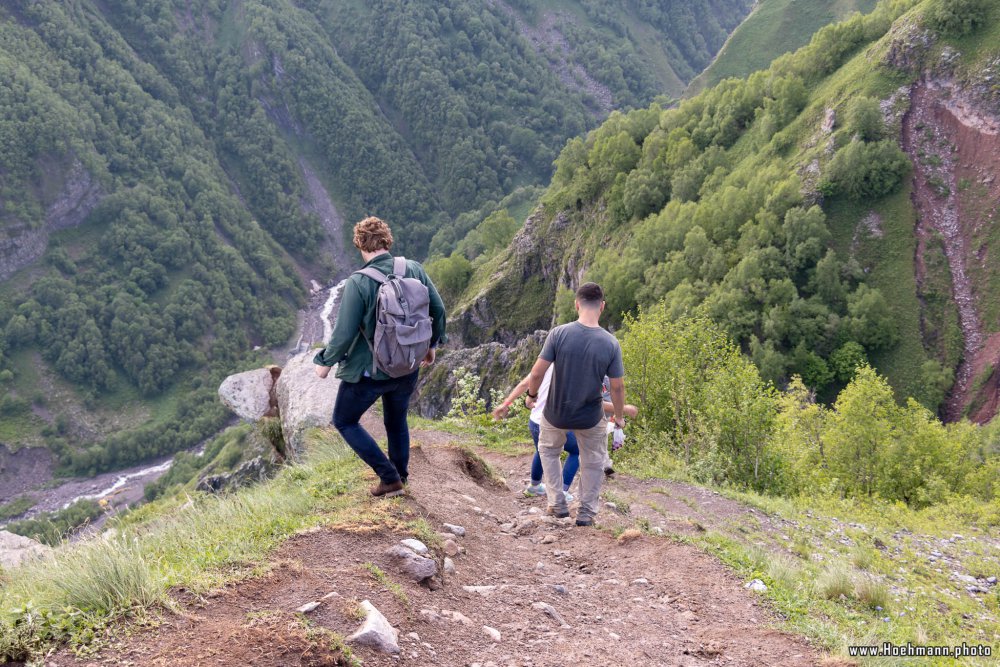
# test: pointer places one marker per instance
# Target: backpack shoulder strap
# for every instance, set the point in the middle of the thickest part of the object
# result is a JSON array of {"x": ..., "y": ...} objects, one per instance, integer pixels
[
  {"x": 374, "y": 274},
  {"x": 399, "y": 267}
]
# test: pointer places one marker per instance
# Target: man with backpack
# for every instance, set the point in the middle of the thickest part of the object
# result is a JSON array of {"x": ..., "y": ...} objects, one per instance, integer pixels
[{"x": 391, "y": 318}]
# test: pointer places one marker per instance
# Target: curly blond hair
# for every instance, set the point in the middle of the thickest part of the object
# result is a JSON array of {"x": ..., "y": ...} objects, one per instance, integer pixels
[{"x": 372, "y": 235}]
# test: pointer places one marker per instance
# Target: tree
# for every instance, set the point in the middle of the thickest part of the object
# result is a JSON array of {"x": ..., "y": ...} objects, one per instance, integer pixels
[
  {"x": 859, "y": 432},
  {"x": 957, "y": 17},
  {"x": 864, "y": 118},
  {"x": 865, "y": 171}
]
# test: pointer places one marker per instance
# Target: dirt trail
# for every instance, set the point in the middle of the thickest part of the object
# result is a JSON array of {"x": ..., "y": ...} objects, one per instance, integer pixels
[{"x": 686, "y": 609}]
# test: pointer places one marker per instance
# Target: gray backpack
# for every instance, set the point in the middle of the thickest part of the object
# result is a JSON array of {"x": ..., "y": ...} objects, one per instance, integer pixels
[{"x": 402, "y": 321}]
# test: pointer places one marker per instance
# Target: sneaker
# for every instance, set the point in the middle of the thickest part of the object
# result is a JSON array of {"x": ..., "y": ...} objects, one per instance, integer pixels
[
  {"x": 535, "y": 490},
  {"x": 552, "y": 511},
  {"x": 383, "y": 490},
  {"x": 569, "y": 497},
  {"x": 584, "y": 521}
]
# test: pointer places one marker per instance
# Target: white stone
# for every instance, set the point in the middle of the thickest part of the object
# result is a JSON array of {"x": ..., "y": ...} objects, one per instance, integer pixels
[
  {"x": 482, "y": 590},
  {"x": 247, "y": 394},
  {"x": 641, "y": 581},
  {"x": 308, "y": 607},
  {"x": 16, "y": 549},
  {"x": 415, "y": 546},
  {"x": 376, "y": 632},
  {"x": 756, "y": 585},
  {"x": 492, "y": 633},
  {"x": 305, "y": 401},
  {"x": 449, "y": 566},
  {"x": 455, "y": 530}
]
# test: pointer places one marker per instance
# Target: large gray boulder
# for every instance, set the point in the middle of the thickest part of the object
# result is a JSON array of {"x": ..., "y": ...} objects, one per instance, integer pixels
[
  {"x": 376, "y": 632},
  {"x": 304, "y": 400},
  {"x": 16, "y": 549},
  {"x": 251, "y": 394}
]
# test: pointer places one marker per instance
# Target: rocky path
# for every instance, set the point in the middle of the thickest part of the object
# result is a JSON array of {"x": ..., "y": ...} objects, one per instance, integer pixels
[{"x": 520, "y": 588}]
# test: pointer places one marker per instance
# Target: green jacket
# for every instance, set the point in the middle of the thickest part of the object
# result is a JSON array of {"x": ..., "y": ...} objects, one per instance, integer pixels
[{"x": 345, "y": 349}]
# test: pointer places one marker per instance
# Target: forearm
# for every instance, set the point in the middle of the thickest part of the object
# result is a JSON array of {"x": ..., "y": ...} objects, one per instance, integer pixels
[
  {"x": 618, "y": 401},
  {"x": 516, "y": 392}
]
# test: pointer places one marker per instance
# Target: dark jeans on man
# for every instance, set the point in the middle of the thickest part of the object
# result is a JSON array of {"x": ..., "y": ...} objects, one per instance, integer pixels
[{"x": 354, "y": 399}]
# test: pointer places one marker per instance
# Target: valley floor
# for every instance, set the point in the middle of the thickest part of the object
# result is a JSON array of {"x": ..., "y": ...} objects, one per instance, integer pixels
[{"x": 643, "y": 596}]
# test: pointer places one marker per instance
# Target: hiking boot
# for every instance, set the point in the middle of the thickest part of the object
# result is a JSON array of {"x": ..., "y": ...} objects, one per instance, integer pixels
[
  {"x": 609, "y": 471},
  {"x": 535, "y": 490},
  {"x": 584, "y": 521},
  {"x": 383, "y": 490},
  {"x": 559, "y": 514}
]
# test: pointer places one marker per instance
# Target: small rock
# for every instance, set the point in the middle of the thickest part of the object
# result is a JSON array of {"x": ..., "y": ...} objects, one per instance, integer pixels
[
  {"x": 534, "y": 510},
  {"x": 376, "y": 632},
  {"x": 492, "y": 633},
  {"x": 451, "y": 548},
  {"x": 308, "y": 607},
  {"x": 688, "y": 615},
  {"x": 756, "y": 585},
  {"x": 414, "y": 636},
  {"x": 455, "y": 530},
  {"x": 482, "y": 590},
  {"x": 614, "y": 636},
  {"x": 539, "y": 567},
  {"x": 991, "y": 581},
  {"x": 416, "y": 546},
  {"x": 964, "y": 578},
  {"x": 506, "y": 527},
  {"x": 449, "y": 566},
  {"x": 611, "y": 506},
  {"x": 431, "y": 616},
  {"x": 656, "y": 530},
  {"x": 549, "y": 610},
  {"x": 549, "y": 539},
  {"x": 331, "y": 594},
  {"x": 457, "y": 617},
  {"x": 469, "y": 499},
  {"x": 560, "y": 589},
  {"x": 641, "y": 581},
  {"x": 416, "y": 567}
]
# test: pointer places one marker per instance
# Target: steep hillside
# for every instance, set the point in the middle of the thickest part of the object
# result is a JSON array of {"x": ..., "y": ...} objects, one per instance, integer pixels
[
  {"x": 785, "y": 208},
  {"x": 775, "y": 27},
  {"x": 172, "y": 173}
]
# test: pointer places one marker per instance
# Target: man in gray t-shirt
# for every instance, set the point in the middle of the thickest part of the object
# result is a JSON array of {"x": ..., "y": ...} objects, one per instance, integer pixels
[{"x": 583, "y": 354}]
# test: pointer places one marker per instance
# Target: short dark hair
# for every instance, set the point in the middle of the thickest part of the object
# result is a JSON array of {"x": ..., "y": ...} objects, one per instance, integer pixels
[{"x": 590, "y": 294}]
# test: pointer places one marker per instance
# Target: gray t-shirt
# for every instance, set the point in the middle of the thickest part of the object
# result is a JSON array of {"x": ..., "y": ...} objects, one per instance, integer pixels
[{"x": 582, "y": 356}]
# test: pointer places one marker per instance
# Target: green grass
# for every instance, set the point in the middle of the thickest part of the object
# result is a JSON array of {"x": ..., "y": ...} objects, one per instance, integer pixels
[
  {"x": 16, "y": 507},
  {"x": 386, "y": 582},
  {"x": 198, "y": 544},
  {"x": 775, "y": 27}
]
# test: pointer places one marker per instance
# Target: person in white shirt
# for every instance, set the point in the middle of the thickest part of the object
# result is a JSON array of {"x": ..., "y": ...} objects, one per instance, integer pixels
[{"x": 537, "y": 488}]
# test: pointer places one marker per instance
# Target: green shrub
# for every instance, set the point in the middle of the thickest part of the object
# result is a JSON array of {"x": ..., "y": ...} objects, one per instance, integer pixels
[{"x": 957, "y": 17}]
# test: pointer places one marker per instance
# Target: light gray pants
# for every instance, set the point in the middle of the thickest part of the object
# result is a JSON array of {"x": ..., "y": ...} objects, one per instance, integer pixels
[{"x": 593, "y": 452}]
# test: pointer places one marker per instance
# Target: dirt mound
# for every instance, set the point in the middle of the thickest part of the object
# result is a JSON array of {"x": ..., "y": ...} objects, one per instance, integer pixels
[{"x": 552, "y": 593}]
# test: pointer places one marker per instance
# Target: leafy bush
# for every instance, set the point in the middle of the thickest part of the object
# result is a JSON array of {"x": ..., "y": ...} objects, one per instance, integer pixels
[
  {"x": 866, "y": 171},
  {"x": 957, "y": 17},
  {"x": 52, "y": 527}
]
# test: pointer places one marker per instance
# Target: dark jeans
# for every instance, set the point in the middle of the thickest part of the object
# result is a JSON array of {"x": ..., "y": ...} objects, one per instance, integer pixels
[
  {"x": 354, "y": 399},
  {"x": 572, "y": 461}
]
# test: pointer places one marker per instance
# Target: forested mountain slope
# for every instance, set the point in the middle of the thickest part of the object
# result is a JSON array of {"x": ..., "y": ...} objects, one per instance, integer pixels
[
  {"x": 173, "y": 171},
  {"x": 775, "y": 27},
  {"x": 787, "y": 208}
]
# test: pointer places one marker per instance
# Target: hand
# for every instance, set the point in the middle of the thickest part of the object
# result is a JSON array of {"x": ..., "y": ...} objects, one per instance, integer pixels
[
  {"x": 619, "y": 423},
  {"x": 428, "y": 358},
  {"x": 529, "y": 402},
  {"x": 321, "y": 371},
  {"x": 501, "y": 412}
]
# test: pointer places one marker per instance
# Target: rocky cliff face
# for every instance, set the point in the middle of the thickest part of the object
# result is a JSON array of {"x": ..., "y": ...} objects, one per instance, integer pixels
[
  {"x": 519, "y": 297},
  {"x": 498, "y": 366},
  {"x": 22, "y": 244}
]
